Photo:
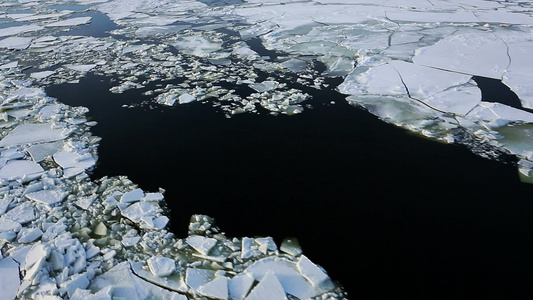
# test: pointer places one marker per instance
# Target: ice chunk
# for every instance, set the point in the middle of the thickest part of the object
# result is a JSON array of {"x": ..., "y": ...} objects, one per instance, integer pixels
[
  {"x": 22, "y": 213},
  {"x": 67, "y": 159},
  {"x": 197, "y": 45},
  {"x": 16, "y": 43},
  {"x": 240, "y": 285},
  {"x": 186, "y": 98},
  {"x": 48, "y": 197},
  {"x": 132, "y": 196},
  {"x": 28, "y": 235},
  {"x": 7, "y": 224},
  {"x": 81, "y": 68},
  {"x": 20, "y": 168},
  {"x": 9, "y": 65},
  {"x": 77, "y": 281},
  {"x": 269, "y": 288},
  {"x": 217, "y": 288},
  {"x": 41, "y": 75},
  {"x": 201, "y": 244},
  {"x": 291, "y": 279},
  {"x": 32, "y": 133},
  {"x": 35, "y": 260},
  {"x": 153, "y": 197},
  {"x": 195, "y": 278},
  {"x": 311, "y": 271},
  {"x": 14, "y": 30},
  {"x": 70, "y": 22},
  {"x": 9, "y": 278},
  {"x": 41, "y": 151},
  {"x": 161, "y": 266}
]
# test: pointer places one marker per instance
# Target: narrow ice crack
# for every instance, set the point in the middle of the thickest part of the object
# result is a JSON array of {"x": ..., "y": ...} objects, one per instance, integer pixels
[
  {"x": 21, "y": 276},
  {"x": 411, "y": 97},
  {"x": 156, "y": 283}
]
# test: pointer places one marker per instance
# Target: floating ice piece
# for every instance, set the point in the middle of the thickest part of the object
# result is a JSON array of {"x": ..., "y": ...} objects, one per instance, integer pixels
[
  {"x": 9, "y": 278},
  {"x": 35, "y": 260},
  {"x": 195, "y": 278},
  {"x": 289, "y": 276},
  {"x": 70, "y": 22},
  {"x": 142, "y": 211},
  {"x": 186, "y": 98},
  {"x": 16, "y": 43},
  {"x": 67, "y": 159},
  {"x": 14, "y": 30},
  {"x": 81, "y": 68},
  {"x": 41, "y": 75},
  {"x": 77, "y": 281},
  {"x": 132, "y": 196},
  {"x": 264, "y": 86},
  {"x": 9, "y": 65},
  {"x": 240, "y": 285},
  {"x": 7, "y": 224},
  {"x": 48, "y": 197},
  {"x": 20, "y": 169},
  {"x": 39, "y": 152},
  {"x": 32, "y": 133},
  {"x": 216, "y": 289},
  {"x": 161, "y": 266},
  {"x": 269, "y": 288},
  {"x": 201, "y": 244},
  {"x": 153, "y": 197},
  {"x": 311, "y": 271},
  {"x": 197, "y": 45},
  {"x": 28, "y": 235}
]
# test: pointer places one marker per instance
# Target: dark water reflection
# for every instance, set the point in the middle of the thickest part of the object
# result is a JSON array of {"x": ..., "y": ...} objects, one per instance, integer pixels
[{"x": 384, "y": 212}]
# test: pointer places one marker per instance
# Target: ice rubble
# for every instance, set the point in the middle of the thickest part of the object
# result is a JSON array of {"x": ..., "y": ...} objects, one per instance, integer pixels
[{"x": 64, "y": 236}]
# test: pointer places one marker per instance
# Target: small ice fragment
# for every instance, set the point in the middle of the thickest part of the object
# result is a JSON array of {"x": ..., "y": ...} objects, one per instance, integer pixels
[
  {"x": 132, "y": 196},
  {"x": 35, "y": 260},
  {"x": 217, "y": 288},
  {"x": 160, "y": 222},
  {"x": 9, "y": 278},
  {"x": 291, "y": 246},
  {"x": 186, "y": 98},
  {"x": 269, "y": 288},
  {"x": 28, "y": 235},
  {"x": 240, "y": 285},
  {"x": 201, "y": 244},
  {"x": 100, "y": 229},
  {"x": 153, "y": 197},
  {"x": 311, "y": 271},
  {"x": 161, "y": 266}
]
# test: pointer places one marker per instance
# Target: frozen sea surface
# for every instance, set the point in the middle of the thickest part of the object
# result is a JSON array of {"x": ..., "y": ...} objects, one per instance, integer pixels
[{"x": 419, "y": 67}]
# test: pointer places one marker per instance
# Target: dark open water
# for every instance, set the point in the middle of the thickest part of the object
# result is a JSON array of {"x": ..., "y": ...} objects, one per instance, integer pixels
[{"x": 386, "y": 213}]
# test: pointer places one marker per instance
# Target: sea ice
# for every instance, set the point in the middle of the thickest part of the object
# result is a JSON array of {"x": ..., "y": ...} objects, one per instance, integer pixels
[
  {"x": 33, "y": 133},
  {"x": 161, "y": 266},
  {"x": 16, "y": 43},
  {"x": 269, "y": 288},
  {"x": 9, "y": 278},
  {"x": 20, "y": 169},
  {"x": 70, "y": 22}
]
